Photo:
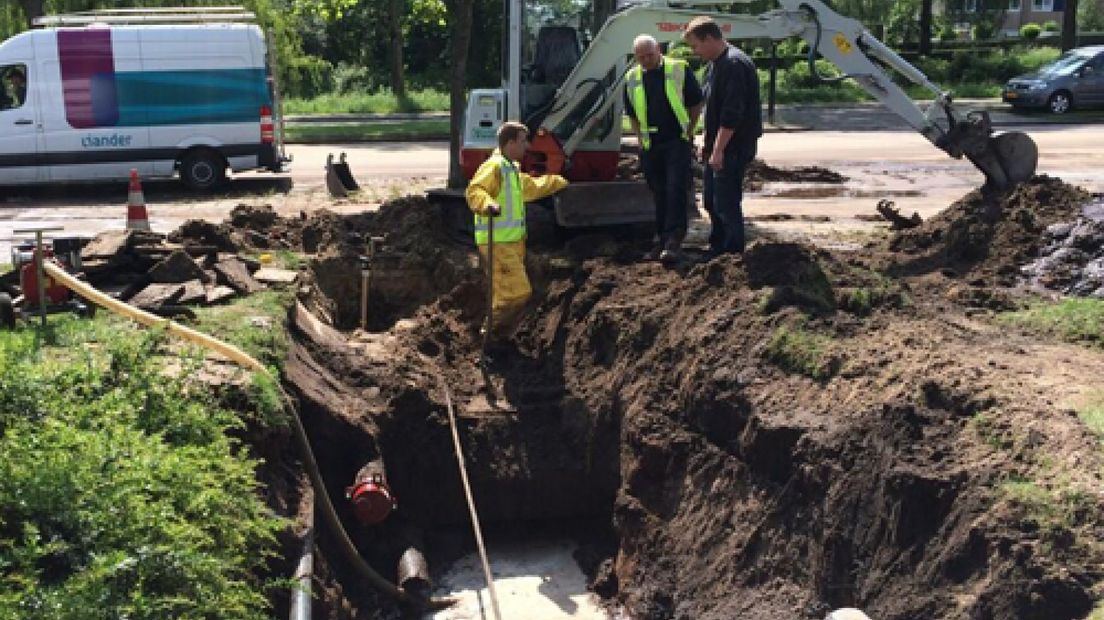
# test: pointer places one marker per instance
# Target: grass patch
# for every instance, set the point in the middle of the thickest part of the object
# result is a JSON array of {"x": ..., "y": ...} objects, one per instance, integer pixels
[
  {"x": 370, "y": 103},
  {"x": 1053, "y": 509},
  {"x": 804, "y": 352},
  {"x": 1072, "y": 320},
  {"x": 122, "y": 492},
  {"x": 254, "y": 323},
  {"x": 381, "y": 130},
  {"x": 1092, "y": 414}
]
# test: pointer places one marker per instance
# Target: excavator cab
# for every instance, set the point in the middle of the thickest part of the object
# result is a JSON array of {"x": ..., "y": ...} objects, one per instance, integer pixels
[{"x": 556, "y": 51}]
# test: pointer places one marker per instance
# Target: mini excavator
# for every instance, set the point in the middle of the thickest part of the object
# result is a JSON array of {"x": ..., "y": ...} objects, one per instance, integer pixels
[{"x": 570, "y": 97}]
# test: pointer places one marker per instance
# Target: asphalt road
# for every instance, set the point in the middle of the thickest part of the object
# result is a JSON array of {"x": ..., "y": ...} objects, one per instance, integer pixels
[{"x": 900, "y": 165}]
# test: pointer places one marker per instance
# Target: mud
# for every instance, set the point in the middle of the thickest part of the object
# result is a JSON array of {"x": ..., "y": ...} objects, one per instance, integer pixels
[
  {"x": 773, "y": 435},
  {"x": 758, "y": 174},
  {"x": 989, "y": 237}
]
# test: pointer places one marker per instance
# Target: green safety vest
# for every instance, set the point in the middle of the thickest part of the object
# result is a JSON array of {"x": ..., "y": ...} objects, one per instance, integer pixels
[
  {"x": 509, "y": 225},
  {"x": 674, "y": 76}
]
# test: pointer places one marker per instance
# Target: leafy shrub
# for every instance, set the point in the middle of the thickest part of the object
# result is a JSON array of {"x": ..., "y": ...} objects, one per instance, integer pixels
[
  {"x": 982, "y": 30},
  {"x": 122, "y": 494},
  {"x": 1051, "y": 26},
  {"x": 1030, "y": 32},
  {"x": 947, "y": 33},
  {"x": 308, "y": 76}
]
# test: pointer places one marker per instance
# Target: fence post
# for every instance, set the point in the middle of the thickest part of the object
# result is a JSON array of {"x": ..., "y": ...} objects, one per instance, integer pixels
[{"x": 772, "y": 89}]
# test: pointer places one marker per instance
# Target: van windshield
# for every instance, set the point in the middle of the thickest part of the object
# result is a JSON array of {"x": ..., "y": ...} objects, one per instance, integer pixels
[{"x": 1065, "y": 65}]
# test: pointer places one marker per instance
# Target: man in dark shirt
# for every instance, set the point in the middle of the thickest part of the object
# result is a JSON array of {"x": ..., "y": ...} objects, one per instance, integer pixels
[
  {"x": 663, "y": 102},
  {"x": 733, "y": 124}
]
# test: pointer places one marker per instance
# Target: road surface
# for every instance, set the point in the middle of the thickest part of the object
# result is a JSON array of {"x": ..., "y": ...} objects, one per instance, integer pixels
[{"x": 898, "y": 165}]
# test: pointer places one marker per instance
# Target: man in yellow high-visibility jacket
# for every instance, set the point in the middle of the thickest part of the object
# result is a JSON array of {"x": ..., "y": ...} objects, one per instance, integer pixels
[
  {"x": 500, "y": 190},
  {"x": 663, "y": 102}
]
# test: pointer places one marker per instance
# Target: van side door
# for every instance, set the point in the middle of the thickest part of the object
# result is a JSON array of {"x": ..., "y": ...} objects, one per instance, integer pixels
[
  {"x": 92, "y": 131},
  {"x": 20, "y": 126}
]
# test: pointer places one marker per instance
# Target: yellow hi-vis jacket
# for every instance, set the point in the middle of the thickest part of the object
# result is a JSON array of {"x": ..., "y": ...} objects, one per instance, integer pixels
[
  {"x": 674, "y": 76},
  {"x": 498, "y": 182}
]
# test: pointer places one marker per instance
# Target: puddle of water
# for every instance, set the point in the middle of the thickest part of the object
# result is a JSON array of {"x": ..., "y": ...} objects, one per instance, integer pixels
[{"x": 533, "y": 581}]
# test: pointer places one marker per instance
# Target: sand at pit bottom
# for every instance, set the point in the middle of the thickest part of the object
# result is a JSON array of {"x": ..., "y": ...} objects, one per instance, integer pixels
[{"x": 534, "y": 581}]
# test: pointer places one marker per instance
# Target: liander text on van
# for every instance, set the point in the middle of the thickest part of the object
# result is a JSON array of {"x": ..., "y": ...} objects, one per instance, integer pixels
[{"x": 113, "y": 140}]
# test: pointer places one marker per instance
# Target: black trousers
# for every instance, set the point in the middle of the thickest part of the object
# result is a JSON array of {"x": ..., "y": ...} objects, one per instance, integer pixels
[
  {"x": 723, "y": 195},
  {"x": 667, "y": 171}
]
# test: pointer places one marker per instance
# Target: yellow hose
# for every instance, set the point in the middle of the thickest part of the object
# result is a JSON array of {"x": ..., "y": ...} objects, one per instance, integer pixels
[
  {"x": 234, "y": 353},
  {"x": 150, "y": 320}
]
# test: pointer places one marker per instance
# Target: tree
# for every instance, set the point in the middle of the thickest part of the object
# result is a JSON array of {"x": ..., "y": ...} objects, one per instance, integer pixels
[
  {"x": 601, "y": 11},
  {"x": 925, "y": 27},
  {"x": 1069, "y": 25},
  {"x": 33, "y": 9},
  {"x": 395, "y": 11},
  {"x": 460, "y": 30}
]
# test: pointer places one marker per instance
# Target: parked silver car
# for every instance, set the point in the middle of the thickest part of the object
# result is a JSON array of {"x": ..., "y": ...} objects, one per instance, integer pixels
[{"x": 1076, "y": 78}]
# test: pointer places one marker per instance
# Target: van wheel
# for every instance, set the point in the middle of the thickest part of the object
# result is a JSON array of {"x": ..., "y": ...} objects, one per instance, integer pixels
[
  {"x": 203, "y": 170},
  {"x": 7, "y": 312},
  {"x": 1060, "y": 102}
]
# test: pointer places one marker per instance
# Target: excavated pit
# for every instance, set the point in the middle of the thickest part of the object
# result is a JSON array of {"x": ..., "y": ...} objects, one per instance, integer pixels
[{"x": 773, "y": 435}]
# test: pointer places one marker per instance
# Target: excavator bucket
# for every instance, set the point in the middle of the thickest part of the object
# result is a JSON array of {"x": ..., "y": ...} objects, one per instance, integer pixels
[
  {"x": 1005, "y": 159},
  {"x": 604, "y": 203},
  {"x": 345, "y": 174},
  {"x": 334, "y": 185}
]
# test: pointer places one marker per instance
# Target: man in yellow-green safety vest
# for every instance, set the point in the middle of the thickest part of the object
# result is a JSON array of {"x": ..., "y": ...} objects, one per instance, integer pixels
[
  {"x": 663, "y": 102},
  {"x": 499, "y": 190}
]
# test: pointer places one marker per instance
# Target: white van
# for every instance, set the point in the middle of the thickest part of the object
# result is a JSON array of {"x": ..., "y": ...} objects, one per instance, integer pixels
[{"x": 92, "y": 102}]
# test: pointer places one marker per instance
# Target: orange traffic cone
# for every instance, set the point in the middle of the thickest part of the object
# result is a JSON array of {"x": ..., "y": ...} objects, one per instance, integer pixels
[{"x": 137, "y": 218}]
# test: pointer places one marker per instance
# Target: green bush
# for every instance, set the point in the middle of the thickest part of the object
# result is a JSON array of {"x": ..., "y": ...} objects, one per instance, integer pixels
[
  {"x": 1051, "y": 26},
  {"x": 1030, "y": 32},
  {"x": 308, "y": 76},
  {"x": 121, "y": 493},
  {"x": 947, "y": 33},
  {"x": 982, "y": 31}
]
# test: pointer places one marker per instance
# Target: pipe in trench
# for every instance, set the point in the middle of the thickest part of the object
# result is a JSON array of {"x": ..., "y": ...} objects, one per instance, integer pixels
[
  {"x": 237, "y": 355},
  {"x": 373, "y": 501},
  {"x": 304, "y": 572}
]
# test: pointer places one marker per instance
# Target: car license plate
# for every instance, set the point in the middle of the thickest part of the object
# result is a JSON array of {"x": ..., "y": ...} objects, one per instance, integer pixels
[{"x": 1010, "y": 94}]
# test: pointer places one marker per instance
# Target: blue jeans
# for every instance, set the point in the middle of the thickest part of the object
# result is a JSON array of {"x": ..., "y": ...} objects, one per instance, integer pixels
[{"x": 723, "y": 194}]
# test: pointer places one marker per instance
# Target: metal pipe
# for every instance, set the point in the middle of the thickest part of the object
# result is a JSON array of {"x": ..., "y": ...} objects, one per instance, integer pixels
[
  {"x": 304, "y": 571},
  {"x": 413, "y": 573}
]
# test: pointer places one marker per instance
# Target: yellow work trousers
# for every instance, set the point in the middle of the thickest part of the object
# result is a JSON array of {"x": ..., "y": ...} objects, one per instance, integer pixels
[{"x": 511, "y": 290}]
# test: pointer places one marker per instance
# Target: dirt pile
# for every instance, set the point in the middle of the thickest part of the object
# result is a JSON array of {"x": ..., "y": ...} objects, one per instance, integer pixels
[
  {"x": 990, "y": 236},
  {"x": 771, "y": 437},
  {"x": 758, "y": 173}
]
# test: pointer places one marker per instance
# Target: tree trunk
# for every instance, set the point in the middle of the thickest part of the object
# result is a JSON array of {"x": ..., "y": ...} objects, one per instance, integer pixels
[
  {"x": 925, "y": 27},
  {"x": 33, "y": 9},
  {"x": 602, "y": 10},
  {"x": 394, "y": 29},
  {"x": 1069, "y": 25},
  {"x": 460, "y": 30}
]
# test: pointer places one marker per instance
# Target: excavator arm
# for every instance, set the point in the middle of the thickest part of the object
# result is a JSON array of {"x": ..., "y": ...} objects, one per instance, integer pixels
[{"x": 593, "y": 88}]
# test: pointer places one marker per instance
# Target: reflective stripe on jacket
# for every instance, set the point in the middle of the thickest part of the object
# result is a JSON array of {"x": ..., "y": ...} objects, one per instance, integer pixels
[
  {"x": 509, "y": 225},
  {"x": 674, "y": 76}
]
